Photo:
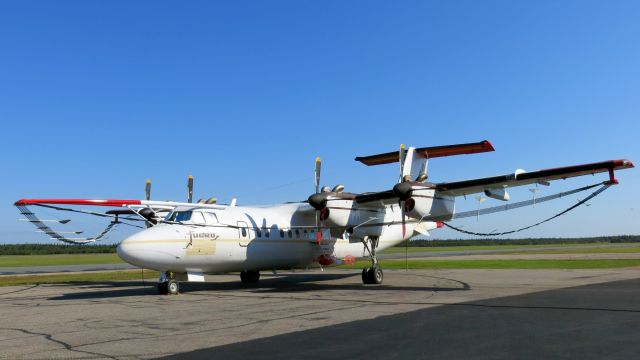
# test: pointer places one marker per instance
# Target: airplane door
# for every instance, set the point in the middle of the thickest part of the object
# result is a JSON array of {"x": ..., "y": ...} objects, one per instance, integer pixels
[{"x": 243, "y": 233}]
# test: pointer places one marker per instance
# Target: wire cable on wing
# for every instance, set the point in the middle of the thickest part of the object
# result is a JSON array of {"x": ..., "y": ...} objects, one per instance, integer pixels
[{"x": 604, "y": 187}]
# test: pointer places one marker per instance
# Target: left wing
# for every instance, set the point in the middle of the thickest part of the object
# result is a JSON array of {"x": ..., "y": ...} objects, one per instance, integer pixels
[
  {"x": 146, "y": 210},
  {"x": 521, "y": 177}
]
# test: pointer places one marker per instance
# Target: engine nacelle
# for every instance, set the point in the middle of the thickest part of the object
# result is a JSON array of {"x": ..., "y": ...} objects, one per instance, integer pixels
[
  {"x": 498, "y": 194},
  {"x": 427, "y": 204}
]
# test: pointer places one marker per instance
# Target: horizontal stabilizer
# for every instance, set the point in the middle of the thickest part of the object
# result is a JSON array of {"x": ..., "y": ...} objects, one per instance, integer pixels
[{"x": 429, "y": 152}]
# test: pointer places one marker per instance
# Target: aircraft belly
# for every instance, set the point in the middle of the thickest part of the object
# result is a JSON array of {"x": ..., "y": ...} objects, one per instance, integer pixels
[{"x": 278, "y": 254}]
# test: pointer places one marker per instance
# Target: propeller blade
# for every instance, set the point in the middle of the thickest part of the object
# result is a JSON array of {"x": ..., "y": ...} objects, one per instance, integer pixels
[
  {"x": 318, "y": 233},
  {"x": 318, "y": 201},
  {"x": 318, "y": 167},
  {"x": 404, "y": 221},
  {"x": 190, "y": 189},
  {"x": 147, "y": 190},
  {"x": 402, "y": 154}
]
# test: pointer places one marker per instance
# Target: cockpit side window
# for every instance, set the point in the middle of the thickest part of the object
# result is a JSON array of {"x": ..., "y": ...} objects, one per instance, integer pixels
[
  {"x": 197, "y": 217},
  {"x": 211, "y": 218}
]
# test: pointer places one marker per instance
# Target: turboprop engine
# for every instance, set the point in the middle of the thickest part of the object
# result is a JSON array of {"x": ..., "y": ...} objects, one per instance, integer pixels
[
  {"x": 338, "y": 214},
  {"x": 334, "y": 217},
  {"x": 421, "y": 201}
]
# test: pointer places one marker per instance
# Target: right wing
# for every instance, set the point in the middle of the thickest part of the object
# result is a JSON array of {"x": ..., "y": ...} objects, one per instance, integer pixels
[{"x": 520, "y": 178}]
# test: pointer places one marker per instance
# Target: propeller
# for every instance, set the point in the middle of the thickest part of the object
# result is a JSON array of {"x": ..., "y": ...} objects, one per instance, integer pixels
[
  {"x": 403, "y": 190},
  {"x": 190, "y": 189},
  {"x": 148, "y": 213},
  {"x": 319, "y": 201}
]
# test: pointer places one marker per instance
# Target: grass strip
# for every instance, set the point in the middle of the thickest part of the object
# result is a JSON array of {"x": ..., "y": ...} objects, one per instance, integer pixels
[
  {"x": 10, "y": 280},
  {"x": 501, "y": 264},
  {"x": 415, "y": 249},
  {"x": 620, "y": 250},
  {"x": 59, "y": 259}
]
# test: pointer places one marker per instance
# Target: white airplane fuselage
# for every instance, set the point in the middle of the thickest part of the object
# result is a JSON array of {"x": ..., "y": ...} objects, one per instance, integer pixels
[{"x": 276, "y": 237}]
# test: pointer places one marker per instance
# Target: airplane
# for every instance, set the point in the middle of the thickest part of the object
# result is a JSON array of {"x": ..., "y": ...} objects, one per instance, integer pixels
[{"x": 186, "y": 240}]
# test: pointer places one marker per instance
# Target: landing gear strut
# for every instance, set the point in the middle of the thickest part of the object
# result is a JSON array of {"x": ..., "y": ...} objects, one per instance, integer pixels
[
  {"x": 372, "y": 274},
  {"x": 167, "y": 284},
  {"x": 250, "y": 277}
]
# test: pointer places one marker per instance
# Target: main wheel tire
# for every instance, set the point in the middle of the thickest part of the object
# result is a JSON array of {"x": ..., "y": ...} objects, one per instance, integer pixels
[
  {"x": 366, "y": 275},
  {"x": 162, "y": 288},
  {"x": 173, "y": 287},
  {"x": 376, "y": 275},
  {"x": 250, "y": 277}
]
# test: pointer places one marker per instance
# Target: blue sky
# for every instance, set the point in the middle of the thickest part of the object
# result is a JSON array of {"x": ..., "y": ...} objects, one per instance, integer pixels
[{"x": 97, "y": 96}]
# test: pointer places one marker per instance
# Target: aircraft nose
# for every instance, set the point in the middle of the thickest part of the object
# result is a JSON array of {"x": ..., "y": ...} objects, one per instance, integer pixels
[{"x": 144, "y": 251}]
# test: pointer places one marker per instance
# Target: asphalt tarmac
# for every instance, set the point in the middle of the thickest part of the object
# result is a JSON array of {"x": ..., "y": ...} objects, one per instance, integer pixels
[{"x": 435, "y": 314}]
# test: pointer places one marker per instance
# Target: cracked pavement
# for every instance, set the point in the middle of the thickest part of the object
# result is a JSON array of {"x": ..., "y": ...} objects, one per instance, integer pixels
[{"x": 126, "y": 320}]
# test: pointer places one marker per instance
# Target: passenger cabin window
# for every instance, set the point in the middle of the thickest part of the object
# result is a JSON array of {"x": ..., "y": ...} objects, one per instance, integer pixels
[
  {"x": 290, "y": 233},
  {"x": 281, "y": 234}
]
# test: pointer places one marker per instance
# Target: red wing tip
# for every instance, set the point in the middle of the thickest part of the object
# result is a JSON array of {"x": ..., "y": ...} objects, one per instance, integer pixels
[
  {"x": 91, "y": 202},
  {"x": 488, "y": 145},
  {"x": 622, "y": 164}
]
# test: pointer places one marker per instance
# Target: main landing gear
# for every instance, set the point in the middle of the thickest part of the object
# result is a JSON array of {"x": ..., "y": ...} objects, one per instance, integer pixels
[
  {"x": 372, "y": 274},
  {"x": 167, "y": 285},
  {"x": 250, "y": 277}
]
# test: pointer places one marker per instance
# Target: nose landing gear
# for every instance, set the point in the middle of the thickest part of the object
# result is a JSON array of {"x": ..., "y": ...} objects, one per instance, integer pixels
[{"x": 167, "y": 285}]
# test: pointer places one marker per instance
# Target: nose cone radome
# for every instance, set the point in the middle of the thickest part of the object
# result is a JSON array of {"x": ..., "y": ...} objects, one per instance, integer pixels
[{"x": 145, "y": 249}]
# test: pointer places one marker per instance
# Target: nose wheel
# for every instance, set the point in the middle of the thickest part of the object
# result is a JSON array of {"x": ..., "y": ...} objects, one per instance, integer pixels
[
  {"x": 250, "y": 277},
  {"x": 167, "y": 285}
]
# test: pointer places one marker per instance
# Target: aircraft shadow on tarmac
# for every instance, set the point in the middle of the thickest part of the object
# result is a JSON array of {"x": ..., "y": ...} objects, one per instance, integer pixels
[
  {"x": 285, "y": 284},
  {"x": 586, "y": 322}
]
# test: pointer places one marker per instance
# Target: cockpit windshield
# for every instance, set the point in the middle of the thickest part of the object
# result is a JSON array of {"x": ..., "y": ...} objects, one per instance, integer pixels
[
  {"x": 179, "y": 216},
  {"x": 192, "y": 217}
]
